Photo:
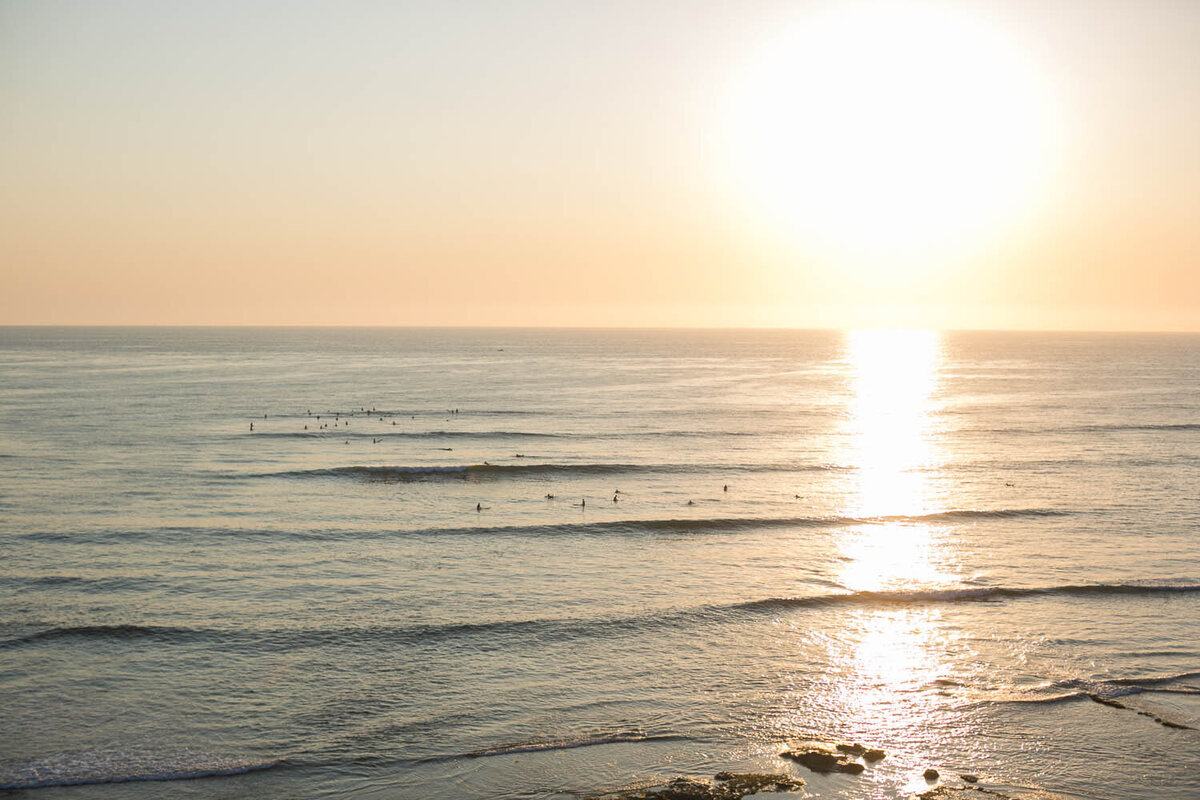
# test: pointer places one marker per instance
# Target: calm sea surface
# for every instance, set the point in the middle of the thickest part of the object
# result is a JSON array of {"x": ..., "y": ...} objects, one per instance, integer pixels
[{"x": 458, "y": 564}]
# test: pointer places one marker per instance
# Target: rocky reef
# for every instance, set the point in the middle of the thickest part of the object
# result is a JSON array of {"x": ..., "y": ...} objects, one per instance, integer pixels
[
  {"x": 961, "y": 793},
  {"x": 726, "y": 786},
  {"x": 825, "y": 758}
]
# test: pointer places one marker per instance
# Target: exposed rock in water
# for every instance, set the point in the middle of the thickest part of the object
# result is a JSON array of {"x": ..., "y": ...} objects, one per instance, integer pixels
[
  {"x": 729, "y": 786},
  {"x": 960, "y": 793},
  {"x": 970, "y": 778},
  {"x": 870, "y": 754},
  {"x": 1167, "y": 723},
  {"x": 750, "y": 782},
  {"x": 823, "y": 761},
  {"x": 1104, "y": 701},
  {"x": 931, "y": 774}
]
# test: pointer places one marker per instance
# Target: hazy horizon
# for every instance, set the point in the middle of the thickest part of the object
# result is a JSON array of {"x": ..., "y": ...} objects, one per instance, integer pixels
[{"x": 548, "y": 328}]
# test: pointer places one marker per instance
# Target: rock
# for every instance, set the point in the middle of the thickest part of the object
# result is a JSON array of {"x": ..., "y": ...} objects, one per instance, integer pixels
[
  {"x": 931, "y": 774},
  {"x": 823, "y": 761},
  {"x": 969, "y": 778},
  {"x": 869, "y": 754},
  {"x": 687, "y": 789},
  {"x": 1104, "y": 701},
  {"x": 961, "y": 793},
  {"x": 730, "y": 786},
  {"x": 744, "y": 783}
]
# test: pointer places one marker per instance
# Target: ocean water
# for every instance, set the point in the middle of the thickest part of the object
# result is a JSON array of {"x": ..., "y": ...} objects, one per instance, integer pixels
[{"x": 457, "y": 564}]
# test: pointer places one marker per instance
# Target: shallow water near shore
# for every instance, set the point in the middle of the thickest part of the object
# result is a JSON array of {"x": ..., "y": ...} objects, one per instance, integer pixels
[{"x": 555, "y": 564}]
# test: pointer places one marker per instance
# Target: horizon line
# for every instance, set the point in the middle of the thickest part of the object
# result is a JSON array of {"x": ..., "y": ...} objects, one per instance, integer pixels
[{"x": 374, "y": 326}]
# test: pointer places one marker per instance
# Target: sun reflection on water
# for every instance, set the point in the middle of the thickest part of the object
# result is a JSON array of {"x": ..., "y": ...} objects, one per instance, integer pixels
[
  {"x": 887, "y": 654},
  {"x": 894, "y": 377}
]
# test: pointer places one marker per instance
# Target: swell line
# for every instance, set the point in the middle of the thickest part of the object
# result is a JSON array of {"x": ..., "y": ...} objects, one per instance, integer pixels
[
  {"x": 500, "y": 633},
  {"x": 41, "y": 776},
  {"x": 537, "y": 746},
  {"x": 609, "y": 527},
  {"x": 401, "y": 473},
  {"x": 969, "y": 595},
  {"x": 348, "y": 434}
]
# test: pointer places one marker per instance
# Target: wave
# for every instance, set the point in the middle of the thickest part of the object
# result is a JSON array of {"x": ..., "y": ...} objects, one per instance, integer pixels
[
  {"x": 921, "y": 597},
  {"x": 500, "y": 633},
  {"x": 1155, "y": 680},
  {"x": 375, "y": 413},
  {"x": 123, "y": 767},
  {"x": 735, "y": 524},
  {"x": 110, "y": 632},
  {"x": 541, "y": 745},
  {"x": 1165, "y": 427},
  {"x": 385, "y": 473},
  {"x": 613, "y": 527},
  {"x": 1117, "y": 693},
  {"x": 348, "y": 434}
]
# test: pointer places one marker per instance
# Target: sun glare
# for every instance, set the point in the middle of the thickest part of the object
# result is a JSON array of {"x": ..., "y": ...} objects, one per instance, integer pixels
[
  {"x": 886, "y": 133},
  {"x": 894, "y": 376}
]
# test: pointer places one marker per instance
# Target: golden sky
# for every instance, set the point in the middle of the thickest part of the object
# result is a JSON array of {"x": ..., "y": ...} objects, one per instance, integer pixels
[{"x": 984, "y": 164}]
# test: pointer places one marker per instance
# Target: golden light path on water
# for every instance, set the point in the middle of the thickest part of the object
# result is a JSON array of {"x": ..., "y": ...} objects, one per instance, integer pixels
[
  {"x": 886, "y": 655},
  {"x": 893, "y": 377}
]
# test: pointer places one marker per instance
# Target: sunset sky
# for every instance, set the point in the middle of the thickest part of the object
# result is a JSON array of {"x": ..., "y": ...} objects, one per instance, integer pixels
[{"x": 1001, "y": 164}]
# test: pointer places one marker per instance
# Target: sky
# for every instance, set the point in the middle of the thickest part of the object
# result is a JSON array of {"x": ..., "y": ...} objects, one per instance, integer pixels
[{"x": 984, "y": 164}]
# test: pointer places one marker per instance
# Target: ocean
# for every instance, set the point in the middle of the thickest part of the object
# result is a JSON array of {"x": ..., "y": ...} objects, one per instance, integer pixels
[{"x": 453, "y": 564}]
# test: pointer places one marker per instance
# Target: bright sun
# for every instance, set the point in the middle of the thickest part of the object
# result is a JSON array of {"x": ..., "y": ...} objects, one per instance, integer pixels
[{"x": 888, "y": 133}]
